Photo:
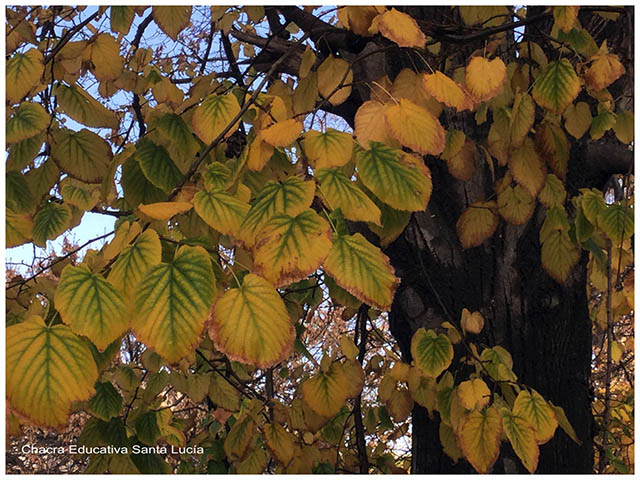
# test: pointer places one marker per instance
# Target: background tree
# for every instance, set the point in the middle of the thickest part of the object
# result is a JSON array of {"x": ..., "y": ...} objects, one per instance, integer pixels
[{"x": 303, "y": 182}]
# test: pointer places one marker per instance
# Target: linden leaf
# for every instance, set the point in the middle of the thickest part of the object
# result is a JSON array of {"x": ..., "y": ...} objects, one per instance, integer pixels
[
  {"x": 522, "y": 117},
  {"x": 564, "y": 423},
  {"x": 250, "y": 323},
  {"x": 399, "y": 404},
  {"x": 604, "y": 70},
  {"x": 164, "y": 210},
  {"x": 106, "y": 403},
  {"x": 484, "y": 78},
  {"x": 340, "y": 192},
  {"x": 462, "y": 165},
  {"x": 617, "y": 222},
  {"x": 47, "y": 369},
  {"x": 173, "y": 133},
  {"x": 326, "y": 392},
  {"x": 18, "y": 229},
  {"x": 534, "y": 409},
  {"x": 431, "y": 352},
  {"x": 553, "y": 193},
  {"x": 564, "y": 18},
  {"x": 624, "y": 126},
  {"x": 280, "y": 442},
  {"x": 121, "y": 18},
  {"x": 172, "y": 20},
  {"x": 223, "y": 394},
  {"x": 559, "y": 254},
  {"x": 105, "y": 57},
  {"x": 577, "y": 119},
  {"x": 400, "y": 28},
  {"x": 601, "y": 123},
  {"x": 82, "y": 195},
  {"x": 422, "y": 388},
  {"x": 371, "y": 124},
  {"x": 403, "y": 184},
  {"x": 477, "y": 223},
  {"x": 473, "y": 394},
  {"x": 23, "y": 152},
  {"x": 552, "y": 145},
  {"x": 557, "y": 86},
  {"x": 82, "y": 155},
  {"x": 137, "y": 189},
  {"x": 282, "y": 134},
  {"x": 288, "y": 248},
  {"x": 23, "y": 72},
  {"x": 90, "y": 305},
  {"x": 471, "y": 322},
  {"x": 334, "y": 80},
  {"x": 328, "y": 149},
  {"x": 527, "y": 167},
  {"x": 239, "y": 437},
  {"x": 156, "y": 165},
  {"x": 516, "y": 205},
  {"x": 479, "y": 438},
  {"x": 408, "y": 84},
  {"x": 415, "y": 127},
  {"x": 445, "y": 90},
  {"x": 362, "y": 269},
  {"x": 221, "y": 211},
  {"x": 259, "y": 154},
  {"x": 83, "y": 108},
  {"x": 172, "y": 303},
  {"x": 29, "y": 120},
  {"x": 521, "y": 435},
  {"x": 213, "y": 115},
  {"x": 499, "y": 135},
  {"x": 449, "y": 442},
  {"x": 50, "y": 222},
  {"x": 19, "y": 198}
]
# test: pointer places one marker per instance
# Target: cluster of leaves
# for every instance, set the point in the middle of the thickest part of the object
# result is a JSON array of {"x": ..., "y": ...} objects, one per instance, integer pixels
[{"x": 218, "y": 255}]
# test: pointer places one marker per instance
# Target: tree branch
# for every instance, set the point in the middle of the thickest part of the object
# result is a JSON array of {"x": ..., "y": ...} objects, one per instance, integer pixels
[{"x": 68, "y": 36}]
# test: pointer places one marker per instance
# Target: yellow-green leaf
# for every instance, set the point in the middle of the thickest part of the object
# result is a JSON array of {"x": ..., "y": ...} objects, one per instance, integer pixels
[
  {"x": 414, "y": 127},
  {"x": 239, "y": 437},
  {"x": 473, "y": 394},
  {"x": 90, "y": 305},
  {"x": 527, "y": 167},
  {"x": 214, "y": 115},
  {"x": 564, "y": 423},
  {"x": 431, "y": 352},
  {"x": 553, "y": 193},
  {"x": 280, "y": 442},
  {"x": 326, "y": 392},
  {"x": 338, "y": 191},
  {"x": 557, "y": 86},
  {"x": 362, "y": 269},
  {"x": 522, "y": 117},
  {"x": 82, "y": 195},
  {"x": 105, "y": 57},
  {"x": 23, "y": 73},
  {"x": 172, "y": 303},
  {"x": 479, "y": 438},
  {"x": 18, "y": 229},
  {"x": 334, "y": 80},
  {"x": 23, "y": 152},
  {"x": 82, "y": 155},
  {"x": 223, "y": 393},
  {"x": 485, "y": 78},
  {"x": 401, "y": 29},
  {"x": 164, "y": 210},
  {"x": 28, "y": 120},
  {"x": 559, "y": 255},
  {"x": 156, "y": 165},
  {"x": 577, "y": 119},
  {"x": 250, "y": 323},
  {"x": 47, "y": 369},
  {"x": 553, "y": 146},
  {"x": 50, "y": 221},
  {"x": 121, "y": 18},
  {"x": 220, "y": 210},
  {"x": 83, "y": 108},
  {"x": 534, "y": 409},
  {"x": 288, "y": 248},
  {"x": 174, "y": 134},
  {"x": 328, "y": 149},
  {"x": 601, "y": 123},
  {"x": 106, "y": 403},
  {"x": 19, "y": 198},
  {"x": 516, "y": 205},
  {"x": 617, "y": 222},
  {"x": 477, "y": 223},
  {"x": 522, "y": 437},
  {"x": 172, "y": 20},
  {"x": 394, "y": 178},
  {"x": 565, "y": 17},
  {"x": 624, "y": 126}
]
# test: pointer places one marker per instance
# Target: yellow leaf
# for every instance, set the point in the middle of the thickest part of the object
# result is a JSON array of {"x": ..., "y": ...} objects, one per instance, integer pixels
[
  {"x": 488, "y": 16},
  {"x": 328, "y": 149},
  {"x": 250, "y": 323},
  {"x": 18, "y": 229},
  {"x": 401, "y": 28},
  {"x": 408, "y": 84},
  {"x": 522, "y": 117},
  {"x": 527, "y": 167},
  {"x": 259, "y": 153},
  {"x": 624, "y": 126},
  {"x": 47, "y": 369},
  {"x": 565, "y": 18},
  {"x": 172, "y": 303},
  {"x": 477, "y": 223},
  {"x": 484, "y": 78},
  {"x": 82, "y": 107},
  {"x": 533, "y": 408},
  {"x": 445, "y": 90},
  {"x": 564, "y": 423},
  {"x": 305, "y": 94},
  {"x": 462, "y": 164},
  {"x": 415, "y": 127},
  {"x": 559, "y": 255},
  {"x": 288, "y": 248},
  {"x": 399, "y": 404},
  {"x": 557, "y": 86},
  {"x": 499, "y": 135},
  {"x": 23, "y": 72},
  {"x": 308, "y": 60},
  {"x": 577, "y": 119},
  {"x": 521, "y": 435},
  {"x": 27, "y": 121},
  {"x": 552, "y": 144},
  {"x": 617, "y": 350},
  {"x": 338, "y": 191},
  {"x": 105, "y": 57},
  {"x": 473, "y": 394},
  {"x": 371, "y": 125},
  {"x": 359, "y": 18},
  {"x": 348, "y": 347},
  {"x": 221, "y": 211},
  {"x": 280, "y": 442},
  {"x": 239, "y": 438},
  {"x": 422, "y": 388},
  {"x": 516, "y": 205},
  {"x": 604, "y": 70},
  {"x": 479, "y": 438},
  {"x": 471, "y": 322},
  {"x": 334, "y": 80},
  {"x": 601, "y": 123},
  {"x": 283, "y": 133},
  {"x": 164, "y": 210},
  {"x": 449, "y": 442},
  {"x": 431, "y": 353},
  {"x": 166, "y": 92},
  {"x": 326, "y": 392},
  {"x": 362, "y": 269},
  {"x": 172, "y": 20},
  {"x": 553, "y": 193},
  {"x": 213, "y": 115}
]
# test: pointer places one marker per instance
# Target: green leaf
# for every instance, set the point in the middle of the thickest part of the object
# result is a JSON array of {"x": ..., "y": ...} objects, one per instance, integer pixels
[
  {"x": 328, "y": 149},
  {"x": 47, "y": 368},
  {"x": 23, "y": 73},
  {"x": 83, "y": 108},
  {"x": 82, "y": 195},
  {"x": 362, "y": 269},
  {"x": 174, "y": 134},
  {"x": 137, "y": 189},
  {"x": 557, "y": 86},
  {"x": 28, "y": 120},
  {"x": 82, "y": 155},
  {"x": 121, "y": 18},
  {"x": 90, "y": 305},
  {"x": 22, "y": 153},
  {"x": 172, "y": 303},
  {"x": 553, "y": 193},
  {"x": 432, "y": 353},
  {"x": 522, "y": 437},
  {"x": 157, "y": 166},
  {"x": 617, "y": 222},
  {"x": 601, "y": 123},
  {"x": 19, "y": 197},
  {"x": 50, "y": 221},
  {"x": 214, "y": 115},
  {"x": 106, "y": 403},
  {"x": 220, "y": 210},
  {"x": 42, "y": 179},
  {"x": 147, "y": 428},
  {"x": 401, "y": 184},
  {"x": 216, "y": 176}
]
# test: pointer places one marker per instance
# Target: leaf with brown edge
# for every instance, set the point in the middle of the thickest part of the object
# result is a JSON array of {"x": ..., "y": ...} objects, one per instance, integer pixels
[
  {"x": 445, "y": 90},
  {"x": 362, "y": 269},
  {"x": 105, "y": 57},
  {"x": 553, "y": 194},
  {"x": 400, "y": 28},
  {"x": 327, "y": 149},
  {"x": 23, "y": 72},
  {"x": 485, "y": 78},
  {"x": 82, "y": 155},
  {"x": 479, "y": 438},
  {"x": 371, "y": 125},
  {"x": 477, "y": 223},
  {"x": 282, "y": 134},
  {"x": 288, "y": 248},
  {"x": 27, "y": 121},
  {"x": 516, "y": 205},
  {"x": 527, "y": 167},
  {"x": 334, "y": 80},
  {"x": 250, "y": 323},
  {"x": 238, "y": 440},
  {"x": 414, "y": 127},
  {"x": 280, "y": 442},
  {"x": 604, "y": 70}
]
